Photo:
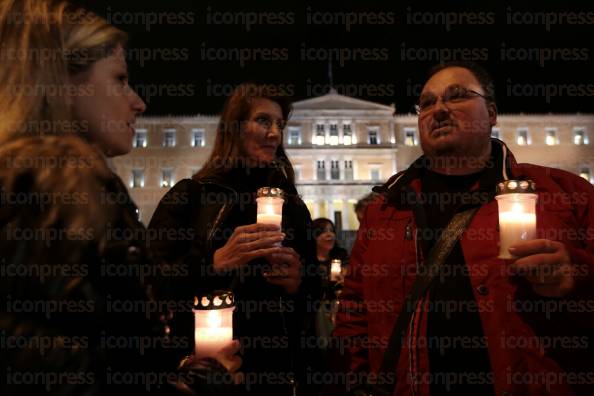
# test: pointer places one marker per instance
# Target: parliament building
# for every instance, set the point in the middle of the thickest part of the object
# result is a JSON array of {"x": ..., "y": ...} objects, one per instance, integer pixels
[{"x": 340, "y": 148}]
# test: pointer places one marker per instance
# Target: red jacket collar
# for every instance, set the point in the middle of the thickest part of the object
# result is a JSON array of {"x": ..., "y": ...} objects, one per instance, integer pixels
[{"x": 504, "y": 167}]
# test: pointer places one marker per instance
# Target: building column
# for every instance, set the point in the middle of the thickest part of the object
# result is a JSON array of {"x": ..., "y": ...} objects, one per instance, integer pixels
[
  {"x": 345, "y": 214},
  {"x": 316, "y": 209},
  {"x": 330, "y": 209}
]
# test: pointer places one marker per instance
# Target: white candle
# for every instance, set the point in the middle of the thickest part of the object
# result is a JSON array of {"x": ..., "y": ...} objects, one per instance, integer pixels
[
  {"x": 517, "y": 220},
  {"x": 335, "y": 270},
  {"x": 213, "y": 331},
  {"x": 270, "y": 210},
  {"x": 270, "y": 206},
  {"x": 267, "y": 218}
]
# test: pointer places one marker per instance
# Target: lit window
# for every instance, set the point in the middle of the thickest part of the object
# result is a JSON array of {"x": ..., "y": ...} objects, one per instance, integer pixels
[
  {"x": 137, "y": 178},
  {"x": 140, "y": 138},
  {"x": 334, "y": 170},
  {"x": 320, "y": 136},
  {"x": 294, "y": 136},
  {"x": 551, "y": 137},
  {"x": 373, "y": 135},
  {"x": 347, "y": 134},
  {"x": 321, "y": 165},
  {"x": 522, "y": 137},
  {"x": 348, "y": 170},
  {"x": 410, "y": 137},
  {"x": 333, "y": 135},
  {"x": 496, "y": 133},
  {"x": 579, "y": 136},
  {"x": 167, "y": 178},
  {"x": 198, "y": 137},
  {"x": 169, "y": 137},
  {"x": 586, "y": 174}
]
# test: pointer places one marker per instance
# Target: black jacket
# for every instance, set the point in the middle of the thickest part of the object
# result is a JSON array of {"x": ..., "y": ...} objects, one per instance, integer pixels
[
  {"x": 197, "y": 217},
  {"x": 78, "y": 318}
]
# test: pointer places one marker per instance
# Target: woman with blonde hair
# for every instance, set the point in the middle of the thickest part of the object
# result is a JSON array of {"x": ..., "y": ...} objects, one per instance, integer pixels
[{"x": 78, "y": 318}]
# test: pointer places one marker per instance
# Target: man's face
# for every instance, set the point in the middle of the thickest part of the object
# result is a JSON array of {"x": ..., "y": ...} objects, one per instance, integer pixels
[{"x": 458, "y": 128}]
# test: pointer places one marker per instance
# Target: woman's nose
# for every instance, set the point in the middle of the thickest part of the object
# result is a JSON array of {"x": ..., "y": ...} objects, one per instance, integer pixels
[
  {"x": 137, "y": 103},
  {"x": 274, "y": 132}
]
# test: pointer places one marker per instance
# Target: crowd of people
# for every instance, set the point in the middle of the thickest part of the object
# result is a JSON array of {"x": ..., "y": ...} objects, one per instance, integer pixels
[{"x": 416, "y": 314}]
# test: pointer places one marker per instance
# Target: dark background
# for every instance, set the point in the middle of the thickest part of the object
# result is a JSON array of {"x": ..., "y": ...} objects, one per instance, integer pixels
[{"x": 538, "y": 67}]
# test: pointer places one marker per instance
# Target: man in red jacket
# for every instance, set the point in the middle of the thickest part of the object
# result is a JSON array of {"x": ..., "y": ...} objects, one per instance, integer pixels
[{"x": 485, "y": 326}]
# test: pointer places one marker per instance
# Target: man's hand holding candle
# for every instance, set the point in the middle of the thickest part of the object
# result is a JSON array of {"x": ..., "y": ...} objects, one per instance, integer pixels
[{"x": 546, "y": 265}]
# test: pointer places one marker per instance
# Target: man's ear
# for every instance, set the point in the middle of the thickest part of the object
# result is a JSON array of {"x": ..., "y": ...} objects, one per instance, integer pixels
[{"x": 492, "y": 109}]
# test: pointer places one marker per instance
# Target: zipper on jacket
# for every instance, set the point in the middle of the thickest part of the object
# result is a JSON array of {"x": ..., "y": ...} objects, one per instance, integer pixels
[
  {"x": 408, "y": 231},
  {"x": 221, "y": 214},
  {"x": 292, "y": 381}
]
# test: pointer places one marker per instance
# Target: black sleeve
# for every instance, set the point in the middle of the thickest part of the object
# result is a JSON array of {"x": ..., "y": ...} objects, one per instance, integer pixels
[
  {"x": 179, "y": 244},
  {"x": 170, "y": 233},
  {"x": 304, "y": 244}
]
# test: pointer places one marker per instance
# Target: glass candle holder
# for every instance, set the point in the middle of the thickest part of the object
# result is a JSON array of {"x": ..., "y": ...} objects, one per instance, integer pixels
[
  {"x": 213, "y": 323},
  {"x": 516, "y": 200},
  {"x": 270, "y": 205},
  {"x": 335, "y": 270}
]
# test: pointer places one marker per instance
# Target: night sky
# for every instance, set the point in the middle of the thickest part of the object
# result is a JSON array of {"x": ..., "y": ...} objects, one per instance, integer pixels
[{"x": 185, "y": 56}]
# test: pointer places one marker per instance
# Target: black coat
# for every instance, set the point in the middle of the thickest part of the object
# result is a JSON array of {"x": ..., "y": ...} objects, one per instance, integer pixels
[
  {"x": 78, "y": 318},
  {"x": 200, "y": 216}
]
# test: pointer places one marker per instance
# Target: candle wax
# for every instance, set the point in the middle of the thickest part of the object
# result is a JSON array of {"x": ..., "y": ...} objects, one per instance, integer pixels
[
  {"x": 514, "y": 227},
  {"x": 209, "y": 341},
  {"x": 334, "y": 271},
  {"x": 268, "y": 218}
]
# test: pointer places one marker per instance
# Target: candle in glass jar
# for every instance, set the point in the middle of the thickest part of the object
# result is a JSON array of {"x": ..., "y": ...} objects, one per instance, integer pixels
[
  {"x": 269, "y": 218},
  {"x": 335, "y": 270},
  {"x": 517, "y": 214},
  {"x": 270, "y": 206},
  {"x": 213, "y": 324}
]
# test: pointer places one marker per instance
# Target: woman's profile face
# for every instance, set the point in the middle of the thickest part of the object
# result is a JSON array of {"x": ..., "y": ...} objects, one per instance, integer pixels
[
  {"x": 106, "y": 105},
  {"x": 262, "y": 133}
]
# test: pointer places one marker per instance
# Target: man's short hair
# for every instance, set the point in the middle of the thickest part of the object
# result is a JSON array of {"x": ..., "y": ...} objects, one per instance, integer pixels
[
  {"x": 482, "y": 76},
  {"x": 363, "y": 202}
]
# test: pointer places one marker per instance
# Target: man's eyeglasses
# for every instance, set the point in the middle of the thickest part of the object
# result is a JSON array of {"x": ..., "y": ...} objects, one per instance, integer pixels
[{"x": 453, "y": 94}]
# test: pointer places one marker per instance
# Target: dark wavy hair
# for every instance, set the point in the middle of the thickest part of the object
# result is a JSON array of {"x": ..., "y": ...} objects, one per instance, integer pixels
[{"x": 226, "y": 153}]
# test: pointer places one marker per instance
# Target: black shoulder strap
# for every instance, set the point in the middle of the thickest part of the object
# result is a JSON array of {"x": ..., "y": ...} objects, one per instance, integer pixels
[{"x": 437, "y": 256}]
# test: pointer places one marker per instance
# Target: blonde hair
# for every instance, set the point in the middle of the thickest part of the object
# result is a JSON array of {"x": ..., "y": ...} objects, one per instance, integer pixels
[{"x": 44, "y": 42}]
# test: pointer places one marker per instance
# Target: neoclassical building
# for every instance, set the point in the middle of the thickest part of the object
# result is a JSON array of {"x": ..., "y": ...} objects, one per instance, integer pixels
[{"x": 340, "y": 148}]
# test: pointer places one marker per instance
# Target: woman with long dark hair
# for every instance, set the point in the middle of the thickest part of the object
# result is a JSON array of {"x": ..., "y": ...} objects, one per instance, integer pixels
[
  {"x": 270, "y": 269},
  {"x": 327, "y": 246}
]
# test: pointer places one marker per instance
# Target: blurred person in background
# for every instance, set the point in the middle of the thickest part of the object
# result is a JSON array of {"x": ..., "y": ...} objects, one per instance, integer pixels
[
  {"x": 362, "y": 204},
  {"x": 327, "y": 247}
]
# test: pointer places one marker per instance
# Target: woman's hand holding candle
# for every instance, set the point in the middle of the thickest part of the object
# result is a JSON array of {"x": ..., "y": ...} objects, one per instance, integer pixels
[
  {"x": 227, "y": 357},
  {"x": 286, "y": 270},
  {"x": 546, "y": 265},
  {"x": 247, "y": 243}
]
